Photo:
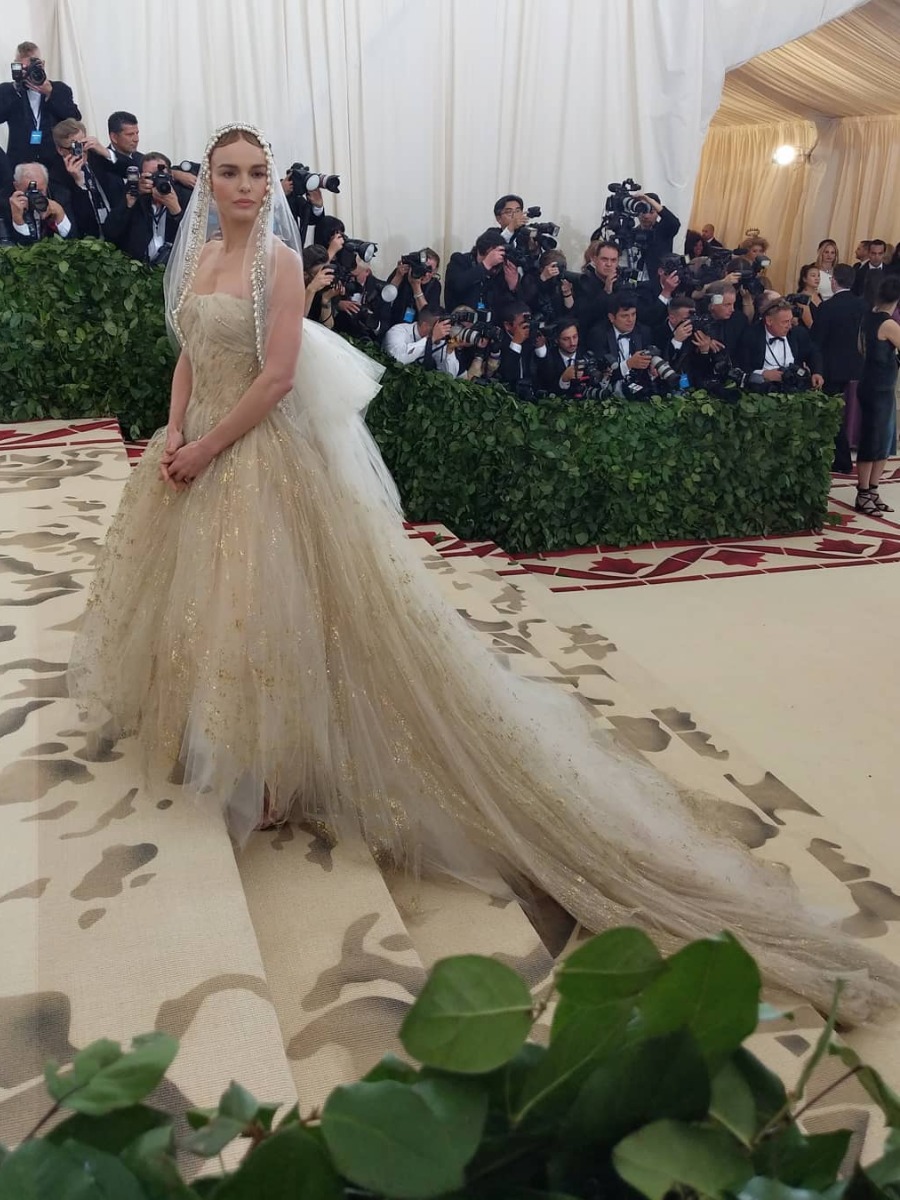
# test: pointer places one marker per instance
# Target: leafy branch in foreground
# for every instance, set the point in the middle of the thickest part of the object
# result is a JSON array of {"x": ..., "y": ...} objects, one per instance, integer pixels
[{"x": 645, "y": 1087}]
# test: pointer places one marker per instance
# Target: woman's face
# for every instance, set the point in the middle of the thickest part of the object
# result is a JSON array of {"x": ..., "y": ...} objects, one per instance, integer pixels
[
  {"x": 813, "y": 279},
  {"x": 829, "y": 254},
  {"x": 697, "y": 248},
  {"x": 239, "y": 180}
]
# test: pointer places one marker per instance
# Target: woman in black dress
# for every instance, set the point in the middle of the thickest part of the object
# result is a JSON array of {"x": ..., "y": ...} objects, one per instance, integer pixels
[{"x": 877, "y": 394}]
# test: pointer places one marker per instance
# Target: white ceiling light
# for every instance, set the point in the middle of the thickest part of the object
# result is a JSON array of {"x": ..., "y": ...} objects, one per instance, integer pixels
[{"x": 785, "y": 155}]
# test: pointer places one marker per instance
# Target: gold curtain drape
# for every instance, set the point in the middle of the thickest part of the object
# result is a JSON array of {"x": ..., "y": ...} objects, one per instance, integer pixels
[{"x": 847, "y": 190}]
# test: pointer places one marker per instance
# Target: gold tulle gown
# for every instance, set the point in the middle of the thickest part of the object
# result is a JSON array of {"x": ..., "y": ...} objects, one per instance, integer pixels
[{"x": 271, "y": 627}]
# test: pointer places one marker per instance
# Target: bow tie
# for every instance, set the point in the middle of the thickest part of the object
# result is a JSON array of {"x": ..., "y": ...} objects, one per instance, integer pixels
[
  {"x": 773, "y": 340},
  {"x": 623, "y": 337}
]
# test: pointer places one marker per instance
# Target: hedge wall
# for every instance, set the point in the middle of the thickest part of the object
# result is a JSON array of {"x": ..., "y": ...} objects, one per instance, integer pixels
[{"x": 82, "y": 334}]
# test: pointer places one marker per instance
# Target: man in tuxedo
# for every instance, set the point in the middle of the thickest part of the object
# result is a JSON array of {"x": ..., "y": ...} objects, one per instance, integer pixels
[
  {"x": 471, "y": 280},
  {"x": 674, "y": 332},
  {"x": 110, "y": 163},
  {"x": 654, "y": 296},
  {"x": 29, "y": 223},
  {"x": 708, "y": 233},
  {"x": 621, "y": 342},
  {"x": 870, "y": 273},
  {"x": 728, "y": 326},
  {"x": 84, "y": 198},
  {"x": 775, "y": 343},
  {"x": 558, "y": 371},
  {"x": 836, "y": 332},
  {"x": 519, "y": 351},
  {"x": 31, "y": 109},
  {"x": 144, "y": 225}
]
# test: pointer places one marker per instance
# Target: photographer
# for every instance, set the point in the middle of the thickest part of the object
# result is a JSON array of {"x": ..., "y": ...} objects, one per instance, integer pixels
[
  {"x": 597, "y": 284},
  {"x": 511, "y": 216},
  {"x": 672, "y": 278},
  {"x": 562, "y": 370},
  {"x": 622, "y": 341},
  {"x": 555, "y": 298},
  {"x": 777, "y": 353},
  {"x": 719, "y": 328},
  {"x": 144, "y": 222},
  {"x": 362, "y": 311},
  {"x": 83, "y": 198},
  {"x": 110, "y": 163},
  {"x": 34, "y": 212},
  {"x": 330, "y": 233},
  {"x": 31, "y": 105},
  {"x": 303, "y": 189},
  {"x": 472, "y": 277},
  {"x": 520, "y": 352},
  {"x": 675, "y": 332},
  {"x": 426, "y": 341},
  {"x": 660, "y": 225},
  {"x": 322, "y": 292},
  {"x": 418, "y": 286}
]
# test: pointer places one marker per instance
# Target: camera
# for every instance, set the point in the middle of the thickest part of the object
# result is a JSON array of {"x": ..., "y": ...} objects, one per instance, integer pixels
[
  {"x": 305, "y": 180},
  {"x": 37, "y": 201},
  {"x": 530, "y": 241},
  {"x": 749, "y": 276},
  {"x": 132, "y": 179},
  {"x": 676, "y": 264},
  {"x": 796, "y": 376},
  {"x": 622, "y": 201},
  {"x": 162, "y": 180},
  {"x": 364, "y": 250},
  {"x": 77, "y": 149},
  {"x": 798, "y": 301},
  {"x": 418, "y": 264},
  {"x": 189, "y": 168},
  {"x": 665, "y": 372},
  {"x": 32, "y": 73}
]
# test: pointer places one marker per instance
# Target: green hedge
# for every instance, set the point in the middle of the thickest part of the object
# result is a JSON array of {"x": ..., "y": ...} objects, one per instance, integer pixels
[{"x": 82, "y": 334}]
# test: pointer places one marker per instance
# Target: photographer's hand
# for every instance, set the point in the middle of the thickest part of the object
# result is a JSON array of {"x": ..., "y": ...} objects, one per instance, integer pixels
[
  {"x": 682, "y": 332},
  {"x": 75, "y": 167},
  {"x": 170, "y": 201},
  {"x": 92, "y": 143},
  {"x": 551, "y": 271},
  {"x": 772, "y": 375},
  {"x": 494, "y": 257},
  {"x": 654, "y": 204},
  {"x": 185, "y": 178},
  {"x": 568, "y": 375},
  {"x": 18, "y": 203},
  {"x": 56, "y": 211},
  {"x": 348, "y": 306},
  {"x": 321, "y": 279},
  {"x": 639, "y": 361},
  {"x": 335, "y": 245},
  {"x": 818, "y": 382},
  {"x": 510, "y": 274},
  {"x": 44, "y": 88},
  {"x": 669, "y": 284},
  {"x": 440, "y": 331}
]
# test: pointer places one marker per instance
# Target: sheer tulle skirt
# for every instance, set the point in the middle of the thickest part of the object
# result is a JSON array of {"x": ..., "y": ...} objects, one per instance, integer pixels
[{"x": 272, "y": 628}]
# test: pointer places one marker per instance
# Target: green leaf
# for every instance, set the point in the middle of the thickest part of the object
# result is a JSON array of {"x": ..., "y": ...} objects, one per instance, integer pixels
[
  {"x": 405, "y": 1141},
  {"x": 113, "y": 1132},
  {"x": 668, "y": 1154},
  {"x": 472, "y": 1016},
  {"x": 103, "y": 1079},
  {"x": 711, "y": 987},
  {"x": 885, "y": 1171},
  {"x": 611, "y": 966},
  {"x": 214, "y": 1137},
  {"x": 883, "y": 1095},
  {"x": 821, "y": 1047},
  {"x": 392, "y": 1067},
  {"x": 802, "y": 1161},
  {"x": 62, "y": 266},
  {"x": 639, "y": 1084},
  {"x": 580, "y": 1039},
  {"x": 237, "y": 1102},
  {"x": 42, "y": 1170},
  {"x": 287, "y": 1166}
]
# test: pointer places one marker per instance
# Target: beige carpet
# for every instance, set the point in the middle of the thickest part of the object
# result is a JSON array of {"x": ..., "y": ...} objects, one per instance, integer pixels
[{"x": 123, "y": 907}]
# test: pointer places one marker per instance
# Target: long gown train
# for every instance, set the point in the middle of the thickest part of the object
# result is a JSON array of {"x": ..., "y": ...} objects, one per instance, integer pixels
[{"x": 272, "y": 628}]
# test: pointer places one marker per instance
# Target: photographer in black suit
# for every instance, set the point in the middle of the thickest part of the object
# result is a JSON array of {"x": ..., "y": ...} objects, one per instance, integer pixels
[
  {"x": 597, "y": 285},
  {"x": 622, "y": 340},
  {"x": 836, "y": 333},
  {"x": 717, "y": 347},
  {"x": 870, "y": 273},
  {"x": 520, "y": 351},
  {"x": 110, "y": 163},
  {"x": 31, "y": 106},
  {"x": 83, "y": 198},
  {"x": 36, "y": 208},
  {"x": 675, "y": 332},
  {"x": 660, "y": 225},
  {"x": 472, "y": 277},
  {"x": 774, "y": 349},
  {"x": 144, "y": 222},
  {"x": 558, "y": 370}
]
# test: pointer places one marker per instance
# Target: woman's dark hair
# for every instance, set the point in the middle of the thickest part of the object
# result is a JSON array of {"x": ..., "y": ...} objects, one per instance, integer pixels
[
  {"x": 888, "y": 290},
  {"x": 313, "y": 256},
  {"x": 691, "y": 238},
  {"x": 804, "y": 271},
  {"x": 326, "y": 228}
]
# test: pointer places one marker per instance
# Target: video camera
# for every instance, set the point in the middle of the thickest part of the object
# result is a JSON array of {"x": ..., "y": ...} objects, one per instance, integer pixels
[
  {"x": 32, "y": 73},
  {"x": 621, "y": 216},
  {"x": 530, "y": 241},
  {"x": 305, "y": 180}
]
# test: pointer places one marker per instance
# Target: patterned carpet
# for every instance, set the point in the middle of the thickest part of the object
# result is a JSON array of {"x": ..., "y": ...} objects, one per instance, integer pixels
[{"x": 289, "y": 966}]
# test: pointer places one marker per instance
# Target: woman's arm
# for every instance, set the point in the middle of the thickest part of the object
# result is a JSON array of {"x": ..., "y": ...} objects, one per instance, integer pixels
[
  {"x": 889, "y": 331},
  {"x": 182, "y": 381},
  {"x": 272, "y": 384}
]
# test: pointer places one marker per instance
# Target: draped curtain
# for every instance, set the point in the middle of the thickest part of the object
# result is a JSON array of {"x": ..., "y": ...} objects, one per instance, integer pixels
[
  {"x": 428, "y": 111},
  {"x": 847, "y": 191}
]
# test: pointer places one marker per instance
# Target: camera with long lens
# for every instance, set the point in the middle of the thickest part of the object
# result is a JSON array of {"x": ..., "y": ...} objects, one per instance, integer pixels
[
  {"x": 469, "y": 327},
  {"x": 676, "y": 264},
  {"x": 621, "y": 216},
  {"x": 749, "y": 275},
  {"x": 361, "y": 249},
  {"x": 304, "y": 180},
  {"x": 418, "y": 264},
  {"x": 591, "y": 380},
  {"x": 32, "y": 72},
  {"x": 666, "y": 375},
  {"x": 132, "y": 180},
  {"x": 162, "y": 180},
  {"x": 37, "y": 202},
  {"x": 530, "y": 241}
]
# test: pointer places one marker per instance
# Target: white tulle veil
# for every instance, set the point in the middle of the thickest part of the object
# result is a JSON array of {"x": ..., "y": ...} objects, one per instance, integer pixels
[{"x": 339, "y": 422}]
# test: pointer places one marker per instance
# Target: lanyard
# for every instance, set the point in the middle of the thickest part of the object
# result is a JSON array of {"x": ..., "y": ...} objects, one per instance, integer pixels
[{"x": 771, "y": 350}]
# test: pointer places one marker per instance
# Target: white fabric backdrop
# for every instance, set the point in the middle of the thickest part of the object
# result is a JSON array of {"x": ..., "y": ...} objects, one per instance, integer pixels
[{"x": 428, "y": 110}]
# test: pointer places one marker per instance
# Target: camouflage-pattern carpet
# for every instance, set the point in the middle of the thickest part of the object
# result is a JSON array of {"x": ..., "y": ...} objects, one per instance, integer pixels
[{"x": 289, "y": 966}]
